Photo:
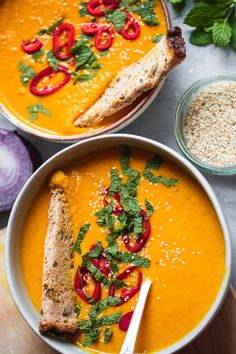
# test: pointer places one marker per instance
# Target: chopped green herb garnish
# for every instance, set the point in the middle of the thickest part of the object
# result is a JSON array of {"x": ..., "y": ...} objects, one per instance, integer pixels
[
  {"x": 52, "y": 60},
  {"x": 83, "y": 55},
  {"x": 130, "y": 205},
  {"x": 77, "y": 310},
  {"x": 156, "y": 164},
  {"x": 130, "y": 187},
  {"x": 38, "y": 55},
  {"x": 149, "y": 208},
  {"x": 108, "y": 334},
  {"x": 115, "y": 182},
  {"x": 117, "y": 17},
  {"x": 146, "y": 11},
  {"x": 127, "y": 257},
  {"x": 34, "y": 110},
  {"x": 138, "y": 225},
  {"x": 99, "y": 307},
  {"x": 118, "y": 283},
  {"x": 84, "y": 77},
  {"x": 109, "y": 319},
  {"x": 125, "y": 163},
  {"x": 104, "y": 53},
  {"x": 157, "y": 38},
  {"x": 86, "y": 262},
  {"x": 91, "y": 337},
  {"x": 103, "y": 215},
  {"x": 51, "y": 28},
  {"x": 82, "y": 232},
  {"x": 97, "y": 250},
  {"x": 83, "y": 10},
  {"x": 27, "y": 72}
]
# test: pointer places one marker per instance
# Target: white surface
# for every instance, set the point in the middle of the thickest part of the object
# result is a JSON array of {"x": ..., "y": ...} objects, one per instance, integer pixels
[{"x": 156, "y": 122}]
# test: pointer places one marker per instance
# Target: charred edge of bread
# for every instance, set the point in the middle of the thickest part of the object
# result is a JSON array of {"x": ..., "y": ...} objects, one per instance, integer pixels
[
  {"x": 57, "y": 314},
  {"x": 137, "y": 78}
]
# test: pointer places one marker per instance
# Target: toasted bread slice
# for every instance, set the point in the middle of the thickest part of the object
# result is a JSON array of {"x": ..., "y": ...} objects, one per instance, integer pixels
[
  {"x": 137, "y": 78},
  {"x": 58, "y": 297}
]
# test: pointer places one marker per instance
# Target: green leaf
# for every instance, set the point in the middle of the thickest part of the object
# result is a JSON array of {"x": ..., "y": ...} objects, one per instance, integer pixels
[
  {"x": 221, "y": 33},
  {"x": 233, "y": 26},
  {"x": 83, "y": 10},
  {"x": 51, "y": 28},
  {"x": 130, "y": 205},
  {"x": 38, "y": 55},
  {"x": 77, "y": 310},
  {"x": 84, "y": 39},
  {"x": 127, "y": 257},
  {"x": 115, "y": 182},
  {"x": 97, "y": 250},
  {"x": 117, "y": 17},
  {"x": 109, "y": 319},
  {"x": 82, "y": 232},
  {"x": 157, "y": 38},
  {"x": 35, "y": 109},
  {"x": 83, "y": 55},
  {"x": 149, "y": 207},
  {"x": 200, "y": 37},
  {"x": 84, "y": 77},
  {"x": 108, "y": 334},
  {"x": 146, "y": 11},
  {"x": 86, "y": 325},
  {"x": 27, "y": 72},
  {"x": 95, "y": 271},
  {"x": 125, "y": 163},
  {"x": 91, "y": 337},
  {"x": 52, "y": 60},
  {"x": 130, "y": 187},
  {"x": 100, "y": 306},
  {"x": 156, "y": 164},
  {"x": 202, "y": 14},
  {"x": 138, "y": 225},
  {"x": 118, "y": 283},
  {"x": 104, "y": 53}
]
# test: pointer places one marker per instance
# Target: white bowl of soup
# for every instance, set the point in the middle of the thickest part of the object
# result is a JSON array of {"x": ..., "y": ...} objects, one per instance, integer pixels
[
  {"x": 149, "y": 211},
  {"x": 56, "y": 67}
]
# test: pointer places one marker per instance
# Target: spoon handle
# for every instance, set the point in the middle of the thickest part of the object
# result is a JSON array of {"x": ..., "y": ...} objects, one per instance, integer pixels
[{"x": 131, "y": 335}]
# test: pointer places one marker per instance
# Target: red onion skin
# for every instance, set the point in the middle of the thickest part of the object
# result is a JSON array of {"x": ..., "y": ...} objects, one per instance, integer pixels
[{"x": 15, "y": 168}]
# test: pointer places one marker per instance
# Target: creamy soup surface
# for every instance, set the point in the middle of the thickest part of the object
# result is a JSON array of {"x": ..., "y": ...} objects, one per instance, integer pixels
[{"x": 186, "y": 246}]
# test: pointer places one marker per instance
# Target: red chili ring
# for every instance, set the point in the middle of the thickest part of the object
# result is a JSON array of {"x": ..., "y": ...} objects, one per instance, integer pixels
[
  {"x": 31, "y": 46},
  {"x": 142, "y": 241},
  {"x": 101, "y": 262},
  {"x": 131, "y": 24},
  {"x": 90, "y": 28},
  {"x": 93, "y": 6},
  {"x": 98, "y": 40},
  {"x": 79, "y": 284},
  {"x": 47, "y": 72},
  {"x": 68, "y": 43},
  {"x": 127, "y": 294}
]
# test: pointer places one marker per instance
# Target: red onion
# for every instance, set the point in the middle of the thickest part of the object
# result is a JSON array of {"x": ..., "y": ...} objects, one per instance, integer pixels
[{"x": 15, "y": 167}]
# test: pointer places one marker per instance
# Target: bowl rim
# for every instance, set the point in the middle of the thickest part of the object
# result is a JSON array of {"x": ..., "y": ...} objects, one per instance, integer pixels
[
  {"x": 182, "y": 105},
  {"x": 66, "y": 348},
  {"x": 128, "y": 118}
]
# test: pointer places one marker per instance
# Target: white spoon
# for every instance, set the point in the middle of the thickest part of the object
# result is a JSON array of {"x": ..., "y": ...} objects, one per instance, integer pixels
[{"x": 131, "y": 335}]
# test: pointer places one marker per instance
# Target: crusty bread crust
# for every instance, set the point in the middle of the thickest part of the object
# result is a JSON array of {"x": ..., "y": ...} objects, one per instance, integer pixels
[
  {"x": 137, "y": 78},
  {"x": 58, "y": 297}
]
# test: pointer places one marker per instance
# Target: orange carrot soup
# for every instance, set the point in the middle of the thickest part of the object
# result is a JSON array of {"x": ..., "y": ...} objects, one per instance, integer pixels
[
  {"x": 58, "y": 57},
  {"x": 134, "y": 216}
]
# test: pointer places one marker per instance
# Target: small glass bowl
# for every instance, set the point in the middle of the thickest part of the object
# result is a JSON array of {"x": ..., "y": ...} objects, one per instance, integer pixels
[{"x": 178, "y": 123}]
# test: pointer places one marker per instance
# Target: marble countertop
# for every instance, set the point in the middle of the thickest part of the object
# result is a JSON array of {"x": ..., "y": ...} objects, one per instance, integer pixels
[{"x": 156, "y": 121}]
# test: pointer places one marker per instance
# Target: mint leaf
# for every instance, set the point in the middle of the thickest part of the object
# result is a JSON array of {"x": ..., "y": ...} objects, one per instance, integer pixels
[
  {"x": 77, "y": 310},
  {"x": 130, "y": 205},
  {"x": 127, "y": 257},
  {"x": 108, "y": 334},
  {"x": 95, "y": 271},
  {"x": 157, "y": 38},
  {"x": 125, "y": 163},
  {"x": 100, "y": 306},
  {"x": 27, "y": 72},
  {"x": 82, "y": 232},
  {"x": 149, "y": 207},
  {"x": 83, "y": 55},
  {"x": 138, "y": 225},
  {"x": 118, "y": 18},
  {"x": 202, "y": 14},
  {"x": 115, "y": 182},
  {"x": 51, "y": 28},
  {"x": 38, "y": 55},
  {"x": 118, "y": 283},
  {"x": 82, "y": 9},
  {"x": 109, "y": 320},
  {"x": 156, "y": 164},
  {"x": 35, "y": 109},
  {"x": 84, "y": 77},
  {"x": 52, "y": 60},
  {"x": 104, "y": 53},
  {"x": 200, "y": 37},
  {"x": 233, "y": 26},
  {"x": 146, "y": 11},
  {"x": 91, "y": 337},
  {"x": 221, "y": 33}
]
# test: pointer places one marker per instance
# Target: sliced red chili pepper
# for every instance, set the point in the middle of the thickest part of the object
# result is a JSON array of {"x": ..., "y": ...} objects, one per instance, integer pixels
[
  {"x": 48, "y": 90},
  {"x": 101, "y": 262},
  {"x": 118, "y": 209},
  {"x": 131, "y": 29},
  {"x": 125, "y": 320},
  {"x": 62, "y": 46},
  {"x": 80, "y": 282},
  {"x": 127, "y": 294},
  {"x": 90, "y": 28},
  {"x": 97, "y": 7},
  {"x": 139, "y": 244},
  {"x": 31, "y": 46},
  {"x": 99, "y": 42}
]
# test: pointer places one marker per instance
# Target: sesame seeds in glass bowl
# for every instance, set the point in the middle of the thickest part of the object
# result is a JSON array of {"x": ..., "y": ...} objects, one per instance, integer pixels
[{"x": 205, "y": 124}]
